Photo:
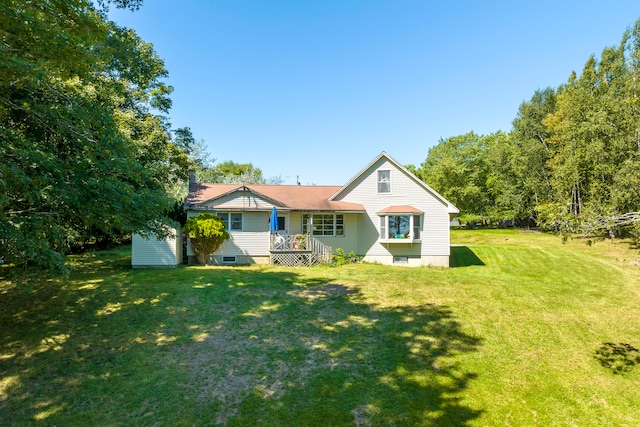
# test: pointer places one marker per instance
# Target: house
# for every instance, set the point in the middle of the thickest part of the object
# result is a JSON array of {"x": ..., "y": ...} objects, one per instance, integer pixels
[{"x": 384, "y": 214}]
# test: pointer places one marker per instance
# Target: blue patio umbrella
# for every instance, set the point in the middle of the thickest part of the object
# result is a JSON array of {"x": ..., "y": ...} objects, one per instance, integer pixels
[{"x": 273, "y": 221}]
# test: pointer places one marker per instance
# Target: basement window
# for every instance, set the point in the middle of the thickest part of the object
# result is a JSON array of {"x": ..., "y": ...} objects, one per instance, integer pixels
[{"x": 229, "y": 259}]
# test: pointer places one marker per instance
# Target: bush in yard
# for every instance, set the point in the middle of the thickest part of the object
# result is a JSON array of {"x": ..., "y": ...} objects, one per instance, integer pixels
[
  {"x": 341, "y": 258},
  {"x": 206, "y": 232}
]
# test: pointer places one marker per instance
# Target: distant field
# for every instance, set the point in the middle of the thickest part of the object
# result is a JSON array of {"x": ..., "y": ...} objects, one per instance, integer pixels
[{"x": 514, "y": 334}]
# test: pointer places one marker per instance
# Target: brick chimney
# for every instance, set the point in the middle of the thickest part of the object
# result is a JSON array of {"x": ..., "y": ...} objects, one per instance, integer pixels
[{"x": 192, "y": 177}]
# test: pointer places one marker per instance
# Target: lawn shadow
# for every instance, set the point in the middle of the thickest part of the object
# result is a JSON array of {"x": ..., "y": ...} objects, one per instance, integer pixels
[
  {"x": 232, "y": 346},
  {"x": 294, "y": 350},
  {"x": 463, "y": 256}
]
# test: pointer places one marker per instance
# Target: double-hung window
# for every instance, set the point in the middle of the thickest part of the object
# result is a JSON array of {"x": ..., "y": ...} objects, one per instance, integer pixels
[
  {"x": 384, "y": 181},
  {"x": 232, "y": 220},
  {"x": 323, "y": 224}
]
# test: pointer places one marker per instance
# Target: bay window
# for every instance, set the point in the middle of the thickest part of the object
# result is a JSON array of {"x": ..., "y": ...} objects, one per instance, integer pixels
[{"x": 404, "y": 227}]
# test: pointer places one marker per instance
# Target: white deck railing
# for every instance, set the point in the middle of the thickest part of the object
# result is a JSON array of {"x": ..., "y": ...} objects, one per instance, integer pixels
[{"x": 298, "y": 249}]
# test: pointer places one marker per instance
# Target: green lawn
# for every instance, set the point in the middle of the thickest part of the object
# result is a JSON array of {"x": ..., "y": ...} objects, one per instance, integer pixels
[{"x": 507, "y": 337}]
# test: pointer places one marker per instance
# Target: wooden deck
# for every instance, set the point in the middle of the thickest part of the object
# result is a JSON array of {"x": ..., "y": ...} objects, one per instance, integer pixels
[{"x": 298, "y": 251}]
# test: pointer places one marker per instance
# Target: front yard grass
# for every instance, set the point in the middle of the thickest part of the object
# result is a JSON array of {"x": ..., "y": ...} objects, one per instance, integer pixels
[{"x": 510, "y": 336}]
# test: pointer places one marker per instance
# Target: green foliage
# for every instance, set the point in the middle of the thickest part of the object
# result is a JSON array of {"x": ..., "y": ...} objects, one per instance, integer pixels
[
  {"x": 86, "y": 153},
  {"x": 571, "y": 160},
  {"x": 457, "y": 168},
  {"x": 594, "y": 133},
  {"x": 342, "y": 258},
  {"x": 206, "y": 232},
  {"x": 529, "y": 153},
  {"x": 301, "y": 240},
  {"x": 230, "y": 172}
]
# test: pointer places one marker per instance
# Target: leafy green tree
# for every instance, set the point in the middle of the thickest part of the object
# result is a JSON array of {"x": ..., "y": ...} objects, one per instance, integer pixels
[
  {"x": 412, "y": 168},
  {"x": 229, "y": 172},
  {"x": 529, "y": 154},
  {"x": 83, "y": 153},
  {"x": 457, "y": 169},
  {"x": 502, "y": 184},
  {"x": 206, "y": 233},
  {"x": 572, "y": 160},
  {"x": 594, "y": 134}
]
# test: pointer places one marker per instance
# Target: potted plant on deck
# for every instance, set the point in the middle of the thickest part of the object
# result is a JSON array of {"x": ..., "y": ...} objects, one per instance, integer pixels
[{"x": 300, "y": 241}]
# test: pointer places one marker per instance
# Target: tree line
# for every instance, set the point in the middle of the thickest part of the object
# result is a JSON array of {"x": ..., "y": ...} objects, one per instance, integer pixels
[
  {"x": 89, "y": 154},
  {"x": 87, "y": 151},
  {"x": 571, "y": 161}
]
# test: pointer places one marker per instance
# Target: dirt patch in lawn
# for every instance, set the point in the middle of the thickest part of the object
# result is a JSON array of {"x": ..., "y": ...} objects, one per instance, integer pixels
[
  {"x": 325, "y": 291},
  {"x": 263, "y": 353}
]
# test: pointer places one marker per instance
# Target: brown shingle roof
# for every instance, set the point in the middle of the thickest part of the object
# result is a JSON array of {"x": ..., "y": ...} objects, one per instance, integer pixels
[
  {"x": 403, "y": 209},
  {"x": 292, "y": 197}
]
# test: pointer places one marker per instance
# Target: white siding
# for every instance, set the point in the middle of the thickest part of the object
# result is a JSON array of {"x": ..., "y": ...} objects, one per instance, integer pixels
[
  {"x": 404, "y": 191},
  {"x": 156, "y": 253},
  {"x": 348, "y": 242},
  {"x": 295, "y": 222},
  {"x": 245, "y": 243},
  {"x": 253, "y": 240},
  {"x": 237, "y": 199}
]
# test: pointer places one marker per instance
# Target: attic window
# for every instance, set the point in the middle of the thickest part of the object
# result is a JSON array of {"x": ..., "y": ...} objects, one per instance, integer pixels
[{"x": 384, "y": 181}]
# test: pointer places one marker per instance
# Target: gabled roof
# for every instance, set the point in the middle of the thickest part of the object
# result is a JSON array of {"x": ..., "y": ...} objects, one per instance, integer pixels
[
  {"x": 450, "y": 207},
  {"x": 285, "y": 197},
  {"x": 299, "y": 197}
]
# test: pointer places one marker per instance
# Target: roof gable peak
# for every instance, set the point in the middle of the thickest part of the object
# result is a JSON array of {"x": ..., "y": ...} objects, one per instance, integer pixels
[
  {"x": 383, "y": 154},
  {"x": 244, "y": 188}
]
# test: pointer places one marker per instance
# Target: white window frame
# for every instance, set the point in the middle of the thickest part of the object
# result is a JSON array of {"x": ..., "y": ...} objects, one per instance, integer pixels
[
  {"x": 338, "y": 224},
  {"x": 384, "y": 181},
  {"x": 229, "y": 221},
  {"x": 415, "y": 228}
]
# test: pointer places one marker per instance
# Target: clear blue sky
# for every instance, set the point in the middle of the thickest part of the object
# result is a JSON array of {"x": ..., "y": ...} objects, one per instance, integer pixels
[{"x": 317, "y": 89}]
